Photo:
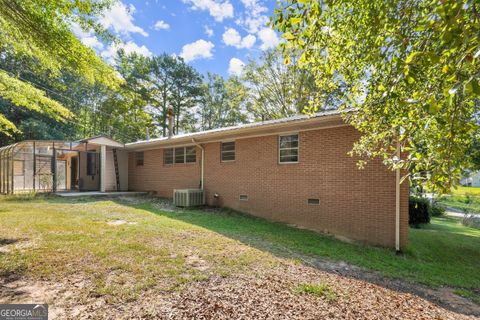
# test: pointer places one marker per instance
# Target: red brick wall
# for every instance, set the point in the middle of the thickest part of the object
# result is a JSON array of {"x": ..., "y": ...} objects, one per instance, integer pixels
[
  {"x": 160, "y": 178},
  {"x": 354, "y": 204}
]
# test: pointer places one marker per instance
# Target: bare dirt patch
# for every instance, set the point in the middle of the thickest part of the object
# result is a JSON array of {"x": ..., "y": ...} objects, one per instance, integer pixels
[
  {"x": 197, "y": 263},
  {"x": 8, "y": 245},
  {"x": 120, "y": 222}
]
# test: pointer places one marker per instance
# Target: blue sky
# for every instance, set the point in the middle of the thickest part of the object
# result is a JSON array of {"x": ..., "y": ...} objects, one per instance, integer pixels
[{"x": 211, "y": 35}]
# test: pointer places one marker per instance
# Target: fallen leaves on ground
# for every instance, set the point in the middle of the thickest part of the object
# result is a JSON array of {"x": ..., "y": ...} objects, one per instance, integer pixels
[{"x": 260, "y": 294}]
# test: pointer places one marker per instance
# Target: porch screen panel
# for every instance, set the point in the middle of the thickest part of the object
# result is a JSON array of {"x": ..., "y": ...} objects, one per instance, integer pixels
[
  {"x": 23, "y": 167},
  {"x": 61, "y": 174},
  {"x": 43, "y": 166},
  {"x": 43, "y": 173}
]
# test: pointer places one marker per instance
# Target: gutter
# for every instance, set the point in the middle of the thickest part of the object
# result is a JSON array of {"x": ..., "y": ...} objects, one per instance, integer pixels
[
  {"x": 242, "y": 130},
  {"x": 397, "y": 202},
  {"x": 203, "y": 162}
]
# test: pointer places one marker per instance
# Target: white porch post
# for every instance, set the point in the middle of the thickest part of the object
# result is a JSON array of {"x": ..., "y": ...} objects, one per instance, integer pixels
[{"x": 103, "y": 167}]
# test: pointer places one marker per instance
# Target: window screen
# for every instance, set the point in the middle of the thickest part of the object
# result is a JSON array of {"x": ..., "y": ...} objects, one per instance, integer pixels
[
  {"x": 190, "y": 154},
  {"x": 179, "y": 155},
  {"x": 228, "y": 151},
  {"x": 288, "y": 148},
  {"x": 139, "y": 158},
  {"x": 168, "y": 156}
]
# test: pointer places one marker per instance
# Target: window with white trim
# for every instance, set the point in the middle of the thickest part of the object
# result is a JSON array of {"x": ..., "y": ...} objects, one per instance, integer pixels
[
  {"x": 168, "y": 156},
  {"x": 180, "y": 155},
  {"x": 227, "y": 151},
  {"x": 288, "y": 148},
  {"x": 190, "y": 154}
]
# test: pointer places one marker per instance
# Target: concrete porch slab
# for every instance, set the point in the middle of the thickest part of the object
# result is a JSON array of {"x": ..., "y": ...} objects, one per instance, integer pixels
[{"x": 100, "y": 194}]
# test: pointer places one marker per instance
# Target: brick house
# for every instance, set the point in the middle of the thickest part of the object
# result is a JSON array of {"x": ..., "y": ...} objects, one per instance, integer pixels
[{"x": 293, "y": 170}]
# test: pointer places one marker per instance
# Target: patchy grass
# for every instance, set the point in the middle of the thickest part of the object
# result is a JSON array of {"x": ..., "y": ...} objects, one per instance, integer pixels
[
  {"x": 73, "y": 237},
  {"x": 165, "y": 249},
  {"x": 441, "y": 253},
  {"x": 319, "y": 290},
  {"x": 463, "y": 198}
]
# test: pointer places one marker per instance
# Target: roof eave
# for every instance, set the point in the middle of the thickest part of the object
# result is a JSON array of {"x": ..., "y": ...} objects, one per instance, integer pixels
[{"x": 312, "y": 123}]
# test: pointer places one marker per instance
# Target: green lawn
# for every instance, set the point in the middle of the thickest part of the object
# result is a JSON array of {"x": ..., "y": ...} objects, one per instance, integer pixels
[
  {"x": 463, "y": 198},
  {"x": 67, "y": 237},
  {"x": 461, "y": 191}
]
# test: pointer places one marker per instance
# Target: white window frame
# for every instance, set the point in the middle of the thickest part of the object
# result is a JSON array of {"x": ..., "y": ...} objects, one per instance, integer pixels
[
  {"x": 173, "y": 157},
  {"x": 234, "y": 151},
  {"x": 184, "y": 155},
  {"x": 298, "y": 147}
]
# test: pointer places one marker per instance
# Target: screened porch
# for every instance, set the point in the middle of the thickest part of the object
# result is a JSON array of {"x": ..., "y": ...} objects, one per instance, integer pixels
[{"x": 48, "y": 166}]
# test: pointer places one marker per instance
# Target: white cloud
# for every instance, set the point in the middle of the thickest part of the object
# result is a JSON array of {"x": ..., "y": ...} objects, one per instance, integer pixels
[
  {"x": 161, "y": 25},
  {"x": 254, "y": 19},
  {"x": 129, "y": 47},
  {"x": 231, "y": 37},
  {"x": 255, "y": 7},
  {"x": 92, "y": 42},
  {"x": 209, "y": 31},
  {"x": 269, "y": 38},
  {"x": 236, "y": 66},
  {"x": 120, "y": 18},
  {"x": 88, "y": 38},
  {"x": 248, "y": 41},
  {"x": 199, "y": 49},
  {"x": 218, "y": 10},
  {"x": 254, "y": 24}
]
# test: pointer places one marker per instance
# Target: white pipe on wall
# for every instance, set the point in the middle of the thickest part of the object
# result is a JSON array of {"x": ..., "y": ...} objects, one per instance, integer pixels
[
  {"x": 397, "y": 202},
  {"x": 203, "y": 162},
  {"x": 103, "y": 167}
]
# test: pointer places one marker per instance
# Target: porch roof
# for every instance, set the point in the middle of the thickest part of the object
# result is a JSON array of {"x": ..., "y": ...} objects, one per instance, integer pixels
[{"x": 103, "y": 141}]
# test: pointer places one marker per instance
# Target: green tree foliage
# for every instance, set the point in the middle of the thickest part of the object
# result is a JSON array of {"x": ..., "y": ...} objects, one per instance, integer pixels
[
  {"x": 41, "y": 31},
  {"x": 174, "y": 84},
  {"x": 98, "y": 109},
  {"x": 186, "y": 92},
  {"x": 29, "y": 121},
  {"x": 123, "y": 113},
  {"x": 223, "y": 103},
  {"x": 411, "y": 69},
  {"x": 280, "y": 90}
]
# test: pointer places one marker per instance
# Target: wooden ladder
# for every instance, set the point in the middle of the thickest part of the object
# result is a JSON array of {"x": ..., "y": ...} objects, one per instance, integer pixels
[{"x": 117, "y": 173}]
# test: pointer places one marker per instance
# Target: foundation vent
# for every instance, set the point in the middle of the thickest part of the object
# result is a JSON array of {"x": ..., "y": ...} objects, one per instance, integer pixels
[
  {"x": 314, "y": 202},
  {"x": 243, "y": 197},
  {"x": 188, "y": 197}
]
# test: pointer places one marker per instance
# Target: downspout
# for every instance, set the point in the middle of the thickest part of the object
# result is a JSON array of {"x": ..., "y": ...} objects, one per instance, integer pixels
[
  {"x": 203, "y": 162},
  {"x": 397, "y": 202}
]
